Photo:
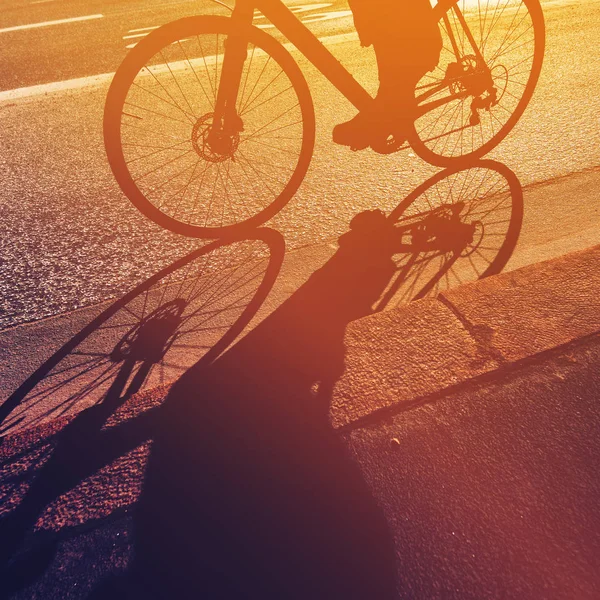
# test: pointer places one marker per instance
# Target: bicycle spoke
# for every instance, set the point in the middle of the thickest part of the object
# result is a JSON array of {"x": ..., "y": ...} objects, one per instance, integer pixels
[
  {"x": 177, "y": 158},
  {"x": 250, "y": 102},
  {"x": 242, "y": 108},
  {"x": 162, "y": 99},
  {"x": 248, "y": 69},
  {"x": 194, "y": 72},
  {"x": 213, "y": 89},
  {"x": 174, "y": 102},
  {"x": 248, "y": 110},
  {"x": 162, "y": 115},
  {"x": 174, "y": 146}
]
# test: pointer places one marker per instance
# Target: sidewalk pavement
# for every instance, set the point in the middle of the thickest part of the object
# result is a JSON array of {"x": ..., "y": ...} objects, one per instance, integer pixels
[{"x": 473, "y": 418}]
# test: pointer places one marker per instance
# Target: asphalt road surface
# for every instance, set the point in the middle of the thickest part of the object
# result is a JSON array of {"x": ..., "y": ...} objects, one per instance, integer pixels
[
  {"x": 473, "y": 483},
  {"x": 70, "y": 238},
  {"x": 99, "y": 33},
  {"x": 488, "y": 492}
]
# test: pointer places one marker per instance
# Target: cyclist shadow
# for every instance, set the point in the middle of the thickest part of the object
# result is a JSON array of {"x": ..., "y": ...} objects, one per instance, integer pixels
[{"x": 249, "y": 491}]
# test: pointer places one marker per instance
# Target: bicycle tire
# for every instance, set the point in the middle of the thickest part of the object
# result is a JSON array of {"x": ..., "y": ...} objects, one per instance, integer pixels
[
  {"x": 441, "y": 157},
  {"x": 160, "y": 41}
]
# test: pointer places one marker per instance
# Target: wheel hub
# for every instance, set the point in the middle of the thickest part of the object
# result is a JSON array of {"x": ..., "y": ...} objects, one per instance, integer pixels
[
  {"x": 474, "y": 78},
  {"x": 469, "y": 76},
  {"x": 150, "y": 339},
  {"x": 213, "y": 145}
]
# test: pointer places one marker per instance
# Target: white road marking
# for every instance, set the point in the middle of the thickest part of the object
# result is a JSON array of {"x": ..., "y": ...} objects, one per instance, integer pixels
[
  {"x": 143, "y": 29},
  {"x": 129, "y": 46},
  {"x": 56, "y": 86},
  {"x": 96, "y": 80},
  {"x": 312, "y": 18},
  {"x": 135, "y": 35},
  {"x": 299, "y": 8},
  {"x": 308, "y": 7},
  {"x": 48, "y": 23},
  {"x": 326, "y": 16}
]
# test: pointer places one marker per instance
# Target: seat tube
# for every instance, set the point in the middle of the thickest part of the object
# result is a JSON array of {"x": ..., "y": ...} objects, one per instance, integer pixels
[{"x": 236, "y": 48}]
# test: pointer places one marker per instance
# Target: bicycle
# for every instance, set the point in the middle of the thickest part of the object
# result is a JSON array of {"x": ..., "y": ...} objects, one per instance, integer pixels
[{"x": 209, "y": 123}]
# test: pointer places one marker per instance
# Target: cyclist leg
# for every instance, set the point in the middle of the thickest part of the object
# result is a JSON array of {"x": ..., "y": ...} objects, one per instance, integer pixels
[{"x": 407, "y": 44}]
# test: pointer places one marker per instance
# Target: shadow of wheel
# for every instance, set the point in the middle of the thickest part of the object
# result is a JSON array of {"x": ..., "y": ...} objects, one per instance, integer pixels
[
  {"x": 461, "y": 225},
  {"x": 190, "y": 311}
]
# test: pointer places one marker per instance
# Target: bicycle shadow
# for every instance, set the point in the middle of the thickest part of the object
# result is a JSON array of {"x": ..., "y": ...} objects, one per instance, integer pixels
[
  {"x": 460, "y": 225},
  {"x": 239, "y": 445},
  {"x": 248, "y": 490},
  {"x": 194, "y": 308}
]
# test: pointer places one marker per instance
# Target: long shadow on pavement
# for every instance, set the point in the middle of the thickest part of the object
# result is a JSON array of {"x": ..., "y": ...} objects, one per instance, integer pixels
[
  {"x": 195, "y": 307},
  {"x": 248, "y": 491}
]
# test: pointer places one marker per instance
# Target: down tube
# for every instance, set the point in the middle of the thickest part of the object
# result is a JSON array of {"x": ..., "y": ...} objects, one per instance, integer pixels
[{"x": 295, "y": 31}]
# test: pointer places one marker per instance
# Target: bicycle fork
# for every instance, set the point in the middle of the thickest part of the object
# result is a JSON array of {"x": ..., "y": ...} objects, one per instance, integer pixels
[{"x": 227, "y": 124}]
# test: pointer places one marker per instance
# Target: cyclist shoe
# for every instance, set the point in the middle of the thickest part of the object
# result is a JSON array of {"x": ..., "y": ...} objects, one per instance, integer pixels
[
  {"x": 372, "y": 127},
  {"x": 356, "y": 133},
  {"x": 400, "y": 69}
]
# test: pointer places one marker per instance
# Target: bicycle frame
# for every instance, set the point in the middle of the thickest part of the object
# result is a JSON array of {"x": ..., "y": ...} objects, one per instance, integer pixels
[{"x": 314, "y": 50}]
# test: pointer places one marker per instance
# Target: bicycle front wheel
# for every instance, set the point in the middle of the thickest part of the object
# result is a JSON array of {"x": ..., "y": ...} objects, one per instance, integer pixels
[
  {"x": 159, "y": 113},
  {"x": 489, "y": 65}
]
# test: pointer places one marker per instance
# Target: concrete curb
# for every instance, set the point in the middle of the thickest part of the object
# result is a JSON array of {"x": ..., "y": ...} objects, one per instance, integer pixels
[{"x": 402, "y": 356}]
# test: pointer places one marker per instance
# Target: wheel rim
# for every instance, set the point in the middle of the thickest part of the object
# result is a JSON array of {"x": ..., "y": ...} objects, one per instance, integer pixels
[
  {"x": 488, "y": 201},
  {"x": 487, "y": 97},
  {"x": 168, "y": 165}
]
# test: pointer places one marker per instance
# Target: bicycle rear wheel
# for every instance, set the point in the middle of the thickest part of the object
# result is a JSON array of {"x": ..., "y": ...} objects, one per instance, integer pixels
[
  {"x": 159, "y": 112},
  {"x": 471, "y": 103}
]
